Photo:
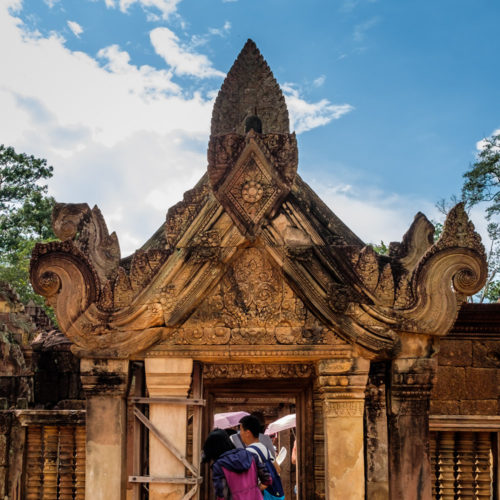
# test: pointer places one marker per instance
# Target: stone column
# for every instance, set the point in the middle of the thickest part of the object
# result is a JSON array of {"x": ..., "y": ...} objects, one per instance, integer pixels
[
  {"x": 342, "y": 383},
  {"x": 408, "y": 417},
  {"x": 105, "y": 385},
  {"x": 167, "y": 377},
  {"x": 377, "y": 467}
]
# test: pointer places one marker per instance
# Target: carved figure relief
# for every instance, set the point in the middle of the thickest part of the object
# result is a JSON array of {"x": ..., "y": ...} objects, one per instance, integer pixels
[{"x": 253, "y": 305}]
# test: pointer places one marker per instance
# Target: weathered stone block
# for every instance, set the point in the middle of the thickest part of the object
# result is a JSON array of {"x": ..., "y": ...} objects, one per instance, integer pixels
[
  {"x": 455, "y": 353},
  {"x": 3, "y": 477},
  {"x": 450, "y": 383},
  {"x": 445, "y": 407},
  {"x": 478, "y": 407},
  {"x": 486, "y": 354},
  {"x": 3, "y": 449},
  {"x": 5, "y": 420},
  {"x": 481, "y": 383}
]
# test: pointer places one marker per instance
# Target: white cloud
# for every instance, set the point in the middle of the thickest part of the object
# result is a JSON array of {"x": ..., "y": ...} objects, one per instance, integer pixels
[
  {"x": 179, "y": 57},
  {"x": 51, "y": 3},
  {"x": 350, "y": 5},
  {"x": 370, "y": 213},
  {"x": 75, "y": 28},
  {"x": 221, "y": 31},
  {"x": 361, "y": 29},
  {"x": 121, "y": 136},
  {"x": 480, "y": 145},
  {"x": 200, "y": 40},
  {"x": 318, "y": 82},
  {"x": 166, "y": 7},
  {"x": 117, "y": 134},
  {"x": 305, "y": 115}
]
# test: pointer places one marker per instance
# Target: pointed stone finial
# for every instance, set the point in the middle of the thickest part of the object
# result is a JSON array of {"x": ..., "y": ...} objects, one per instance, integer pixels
[{"x": 250, "y": 90}]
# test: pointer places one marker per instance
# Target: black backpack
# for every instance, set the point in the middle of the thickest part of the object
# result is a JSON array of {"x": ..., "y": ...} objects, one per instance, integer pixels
[{"x": 275, "y": 488}]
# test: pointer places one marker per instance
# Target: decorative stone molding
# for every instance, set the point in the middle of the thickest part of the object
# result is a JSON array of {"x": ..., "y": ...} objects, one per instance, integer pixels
[
  {"x": 238, "y": 353},
  {"x": 264, "y": 371},
  {"x": 168, "y": 376},
  {"x": 411, "y": 385},
  {"x": 342, "y": 383},
  {"x": 341, "y": 408}
]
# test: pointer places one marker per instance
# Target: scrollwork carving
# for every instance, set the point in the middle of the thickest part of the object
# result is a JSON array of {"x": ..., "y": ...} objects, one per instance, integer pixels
[
  {"x": 263, "y": 371},
  {"x": 351, "y": 408},
  {"x": 89, "y": 232}
]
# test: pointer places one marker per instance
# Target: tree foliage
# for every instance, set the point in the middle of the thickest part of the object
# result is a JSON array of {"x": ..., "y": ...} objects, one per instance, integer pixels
[
  {"x": 482, "y": 180},
  {"x": 482, "y": 185},
  {"x": 25, "y": 216}
]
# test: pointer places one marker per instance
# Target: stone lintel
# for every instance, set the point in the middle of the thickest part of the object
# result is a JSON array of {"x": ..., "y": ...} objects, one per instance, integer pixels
[
  {"x": 251, "y": 353},
  {"x": 50, "y": 417}
]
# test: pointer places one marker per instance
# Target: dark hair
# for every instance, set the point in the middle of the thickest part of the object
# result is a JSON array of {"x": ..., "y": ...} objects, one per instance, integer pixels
[
  {"x": 260, "y": 417},
  {"x": 250, "y": 423},
  {"x": 216, "y": 444}
]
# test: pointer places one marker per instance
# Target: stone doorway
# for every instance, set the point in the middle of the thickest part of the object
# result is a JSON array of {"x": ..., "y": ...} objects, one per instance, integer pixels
[{"x": 274, "y": 397}]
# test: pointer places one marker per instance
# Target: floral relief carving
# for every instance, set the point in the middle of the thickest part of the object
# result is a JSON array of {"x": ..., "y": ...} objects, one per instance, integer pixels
[
  {"x": 291, "y": 370},
  {"x": 252, "y": 305}
]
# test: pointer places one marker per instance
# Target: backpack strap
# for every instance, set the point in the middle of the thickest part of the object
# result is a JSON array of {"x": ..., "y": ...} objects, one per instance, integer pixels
[{"x": 259, "y": 452}]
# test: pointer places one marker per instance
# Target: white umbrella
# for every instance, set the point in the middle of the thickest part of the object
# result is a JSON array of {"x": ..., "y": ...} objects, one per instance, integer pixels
[
  {"x": 282, "y": 424},
  {"x": 229, "y": 419}
]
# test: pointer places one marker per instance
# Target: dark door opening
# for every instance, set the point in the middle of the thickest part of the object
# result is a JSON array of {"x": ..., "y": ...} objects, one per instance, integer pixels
[{"x": 274, "y": 398}]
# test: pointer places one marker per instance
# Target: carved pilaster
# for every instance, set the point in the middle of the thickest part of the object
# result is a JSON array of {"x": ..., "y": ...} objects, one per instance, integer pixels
[
  {"x": 377, "y": 471},
  {"x": 342, "y": 384},
  {"x": 104, "y": 382},
  {"x": 408, "y": 416}
]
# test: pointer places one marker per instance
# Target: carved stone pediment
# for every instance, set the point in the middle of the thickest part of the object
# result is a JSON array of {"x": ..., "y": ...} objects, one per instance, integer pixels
[
  {"x": 252, "y": 305},
  {"x": 251, "y": 263}
]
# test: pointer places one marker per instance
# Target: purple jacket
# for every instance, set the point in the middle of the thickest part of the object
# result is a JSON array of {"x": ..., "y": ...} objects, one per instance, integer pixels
[{"x": 235, "y": 474}]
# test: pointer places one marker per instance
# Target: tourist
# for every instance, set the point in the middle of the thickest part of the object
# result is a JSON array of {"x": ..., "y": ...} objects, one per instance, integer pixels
[
  {"x": 236, "y": 473},
  {"x": 263, "y": 438}
]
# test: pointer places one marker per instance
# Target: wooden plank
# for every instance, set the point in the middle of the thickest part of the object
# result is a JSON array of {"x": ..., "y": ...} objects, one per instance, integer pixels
[
  {"x": 197, "y": 422},
  {"x": 165, "y": 441},
  {"x": 174, "y": 401},
  {"x": 170, "y": 480},
  {"x": 191, "y": 493},
  {"x": 136, "y": 428}
]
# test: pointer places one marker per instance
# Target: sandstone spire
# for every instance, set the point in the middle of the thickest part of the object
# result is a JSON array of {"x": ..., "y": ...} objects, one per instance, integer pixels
[{"x": 250, "y": 89}]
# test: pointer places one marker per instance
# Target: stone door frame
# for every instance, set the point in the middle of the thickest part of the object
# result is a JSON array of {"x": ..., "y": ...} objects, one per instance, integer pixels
[{"x": 301, "y": 389}]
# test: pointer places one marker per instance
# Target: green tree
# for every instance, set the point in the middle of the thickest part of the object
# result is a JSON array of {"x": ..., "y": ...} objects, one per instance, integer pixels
[
  {"x": 482, "y": 185},
  {"x": 25, "y": 216},
  {"x": 482, "y": 180}
]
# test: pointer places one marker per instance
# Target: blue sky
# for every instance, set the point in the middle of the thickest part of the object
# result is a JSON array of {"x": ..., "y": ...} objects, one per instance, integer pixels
[{"x": 389, "y": 98}]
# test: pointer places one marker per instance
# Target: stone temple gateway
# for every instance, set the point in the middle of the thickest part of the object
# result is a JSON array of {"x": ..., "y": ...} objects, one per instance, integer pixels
[{"x": 253, "y": 288}]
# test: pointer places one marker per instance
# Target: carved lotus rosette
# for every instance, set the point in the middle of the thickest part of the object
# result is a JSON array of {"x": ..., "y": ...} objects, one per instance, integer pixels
[{"x": 251, "y": 175}]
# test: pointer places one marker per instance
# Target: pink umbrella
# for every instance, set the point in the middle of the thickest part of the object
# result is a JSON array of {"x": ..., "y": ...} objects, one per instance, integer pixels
[
  {"x": 282, "y": 424},
  {"x": 229, "y": 419}
]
